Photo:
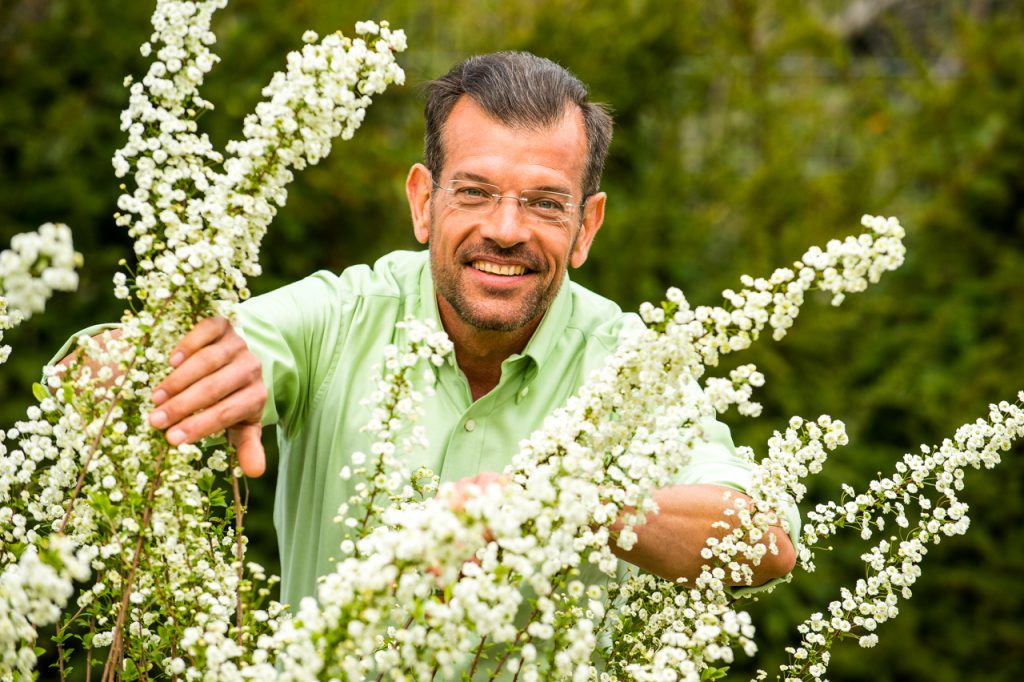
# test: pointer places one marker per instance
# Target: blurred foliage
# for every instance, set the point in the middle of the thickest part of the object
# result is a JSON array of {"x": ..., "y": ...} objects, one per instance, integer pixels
[{"x": 746, "y": 131}]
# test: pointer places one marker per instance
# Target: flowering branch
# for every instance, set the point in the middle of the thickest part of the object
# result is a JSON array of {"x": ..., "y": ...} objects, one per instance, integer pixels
[
  {"x": 37, "y": 264},
  {"x": 603, "y": 453},
  {"x": 150, "y": 526},
  {"x": 922, "y": 500}
]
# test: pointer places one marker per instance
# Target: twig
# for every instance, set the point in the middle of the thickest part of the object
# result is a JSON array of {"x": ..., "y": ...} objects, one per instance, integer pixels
[
  {"x": 117, "y": 646},
  {"x": 239, "y": 547},
  {"x": 99, "y": 436},
  {"x": 476, "y": 659},
  {"x": 512, "y": 645}
]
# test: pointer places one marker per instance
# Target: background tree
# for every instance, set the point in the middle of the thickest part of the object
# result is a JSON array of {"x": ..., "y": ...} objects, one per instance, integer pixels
[{"x": 745, "y": 132}]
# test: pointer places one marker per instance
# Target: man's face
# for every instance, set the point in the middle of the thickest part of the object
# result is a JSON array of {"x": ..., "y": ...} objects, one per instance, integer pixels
[{"x": 500, "y": 270}]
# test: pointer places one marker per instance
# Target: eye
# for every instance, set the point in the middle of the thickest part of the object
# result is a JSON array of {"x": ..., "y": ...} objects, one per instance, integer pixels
[
  {"x": 470, "y": 192},
  {"x": 547, "y": 204},
  {"x": 472, "y": 195}
]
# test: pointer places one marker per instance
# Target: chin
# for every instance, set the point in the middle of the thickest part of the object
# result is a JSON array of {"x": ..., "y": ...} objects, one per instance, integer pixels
[{"x": 492, "y": 323}]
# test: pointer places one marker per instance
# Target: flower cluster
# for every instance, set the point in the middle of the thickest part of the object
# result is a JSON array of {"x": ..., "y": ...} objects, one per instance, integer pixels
[
  {"x": 37, "y": 264},
  {"x": 922, "y": 497},
  {"x": 210, "y": 237},
  {"x": 736, "y": 390},
  {"x": 161, "y": 526},
  {"x": 842, "y": 267},
  {"x": 692, "y": 631},
  {"x": 33, "y": 592}
]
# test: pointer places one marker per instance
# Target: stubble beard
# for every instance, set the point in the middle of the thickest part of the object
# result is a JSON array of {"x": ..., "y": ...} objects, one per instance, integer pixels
[{"x": 515, "y": 311}]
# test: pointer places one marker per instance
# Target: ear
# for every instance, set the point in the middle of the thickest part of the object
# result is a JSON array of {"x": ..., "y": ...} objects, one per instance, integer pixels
[
  {"x": 593, "y": 216},
  {"x": 419, "y": 187}
]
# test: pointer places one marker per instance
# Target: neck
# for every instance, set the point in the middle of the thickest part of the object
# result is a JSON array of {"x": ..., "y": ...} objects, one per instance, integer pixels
[{"x": 480, "y": 352}]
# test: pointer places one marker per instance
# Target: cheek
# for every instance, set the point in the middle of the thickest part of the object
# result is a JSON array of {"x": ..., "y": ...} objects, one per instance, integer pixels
[{"x": 560, "y": 247}]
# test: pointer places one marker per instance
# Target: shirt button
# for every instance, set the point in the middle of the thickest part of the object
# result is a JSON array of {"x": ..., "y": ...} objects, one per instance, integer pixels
[
  {"x": 470, "y": 424},
  {"x": 523, "y": 393}
]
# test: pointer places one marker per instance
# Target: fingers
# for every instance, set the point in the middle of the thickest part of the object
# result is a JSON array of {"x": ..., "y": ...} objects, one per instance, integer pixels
[
  {"x": 207, "y": 391},
  {"x": 249, "y": 447},
  {"x": 219, "y": 351},
  {"x": 244, "y": 406},
  {"x": 203, "y": 334},
  {"x": 217, "y": 384},
  {"x": 459, "y": 495}
]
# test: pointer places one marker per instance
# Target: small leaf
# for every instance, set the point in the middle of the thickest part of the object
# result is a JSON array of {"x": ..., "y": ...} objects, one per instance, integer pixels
[{"x": 39, "y": 392}]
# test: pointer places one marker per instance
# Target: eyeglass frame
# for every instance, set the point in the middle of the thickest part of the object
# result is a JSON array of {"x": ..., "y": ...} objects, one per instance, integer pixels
[{"x": 496, "y": 197}]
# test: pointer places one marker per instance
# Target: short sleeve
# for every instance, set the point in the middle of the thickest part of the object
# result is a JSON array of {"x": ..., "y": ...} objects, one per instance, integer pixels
[
  {"x": 296, "y": 332},
  {"x": 70, "y": 344}
]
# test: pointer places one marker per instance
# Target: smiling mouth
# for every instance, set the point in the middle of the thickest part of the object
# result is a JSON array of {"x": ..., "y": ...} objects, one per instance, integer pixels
[{"x": 496, "y": 269}]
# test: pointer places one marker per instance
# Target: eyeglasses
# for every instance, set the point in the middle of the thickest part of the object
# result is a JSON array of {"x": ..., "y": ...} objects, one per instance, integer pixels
[{"x": 482, "y": 197}]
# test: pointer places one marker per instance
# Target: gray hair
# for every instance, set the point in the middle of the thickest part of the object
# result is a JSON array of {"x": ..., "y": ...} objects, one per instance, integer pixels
[{"x": 517, "y": 89}]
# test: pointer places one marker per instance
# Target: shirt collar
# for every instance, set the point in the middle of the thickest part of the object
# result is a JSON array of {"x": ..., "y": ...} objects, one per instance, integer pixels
[{"x": 540, "y": 346}]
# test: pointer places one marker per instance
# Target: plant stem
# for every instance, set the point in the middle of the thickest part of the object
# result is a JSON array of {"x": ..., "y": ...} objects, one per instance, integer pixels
[
  {"x": 117, "y": 646},
  {"x": 239, "y": 547},
  {"x": 99, "y": 436},
  {"x": 88, "y": 458},
  {"x": 476, "y": 659},
  {"x": 515, "y": 641}
]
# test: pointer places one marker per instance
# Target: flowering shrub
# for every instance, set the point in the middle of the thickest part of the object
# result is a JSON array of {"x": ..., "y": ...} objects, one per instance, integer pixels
[
  {"x": 163, "y": 542},
  {"x": 154, "y": 534}
]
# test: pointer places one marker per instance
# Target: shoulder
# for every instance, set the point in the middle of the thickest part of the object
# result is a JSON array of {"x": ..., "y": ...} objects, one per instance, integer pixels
[
  {"x": 396, "y": 275},
  {"x": 598, "y": 319}
]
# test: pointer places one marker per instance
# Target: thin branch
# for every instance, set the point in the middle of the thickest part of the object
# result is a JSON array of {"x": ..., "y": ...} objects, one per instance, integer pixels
[
  {"x": 239, "y": 546},
  {"x": 117, "y": 646}
]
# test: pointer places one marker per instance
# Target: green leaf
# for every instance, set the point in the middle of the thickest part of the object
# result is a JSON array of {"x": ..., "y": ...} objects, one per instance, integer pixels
[{"x": 39, "y": 392}]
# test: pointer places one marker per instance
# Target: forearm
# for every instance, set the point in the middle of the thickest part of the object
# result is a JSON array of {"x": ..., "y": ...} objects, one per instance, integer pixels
[{"x": 670, "y": 542}]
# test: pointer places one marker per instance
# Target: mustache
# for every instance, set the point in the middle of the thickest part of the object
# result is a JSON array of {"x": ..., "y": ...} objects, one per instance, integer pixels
[{"x": 518, "y": 254}]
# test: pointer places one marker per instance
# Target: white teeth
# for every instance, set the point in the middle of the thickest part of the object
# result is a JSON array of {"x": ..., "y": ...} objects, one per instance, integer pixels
[{"x": 495, "y": 269}]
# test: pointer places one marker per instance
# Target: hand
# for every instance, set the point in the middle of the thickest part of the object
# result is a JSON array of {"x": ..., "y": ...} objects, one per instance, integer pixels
[
  {"x": 216, "y": 384},
  {"x": 457, "y": 500},
  {"x": 459, "y": 495}
]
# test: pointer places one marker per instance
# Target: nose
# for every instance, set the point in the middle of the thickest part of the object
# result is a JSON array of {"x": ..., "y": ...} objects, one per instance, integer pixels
[{"x": 506, "y": 225}]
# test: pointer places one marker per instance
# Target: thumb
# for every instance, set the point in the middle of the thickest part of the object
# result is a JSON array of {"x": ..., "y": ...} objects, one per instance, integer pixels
[{"x": 249, "y": 446}]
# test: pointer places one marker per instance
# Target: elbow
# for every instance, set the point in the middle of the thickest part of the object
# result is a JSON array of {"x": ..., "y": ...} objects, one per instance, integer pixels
[{"x": 782, "y": 562}]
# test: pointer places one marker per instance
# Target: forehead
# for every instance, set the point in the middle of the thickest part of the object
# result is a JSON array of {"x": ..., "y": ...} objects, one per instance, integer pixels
[{"x": 514, "y": 157}]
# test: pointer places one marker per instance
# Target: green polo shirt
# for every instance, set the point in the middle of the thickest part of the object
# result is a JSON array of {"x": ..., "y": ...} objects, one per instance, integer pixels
[{"x": 321, "y": 342}]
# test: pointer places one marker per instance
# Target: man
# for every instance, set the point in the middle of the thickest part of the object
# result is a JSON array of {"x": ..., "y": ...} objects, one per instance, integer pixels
[{"x": 506, "y": 201}]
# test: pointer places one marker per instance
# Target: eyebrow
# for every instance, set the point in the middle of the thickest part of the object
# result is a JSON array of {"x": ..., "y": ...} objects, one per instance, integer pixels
[{"x": 466, "y": 175}]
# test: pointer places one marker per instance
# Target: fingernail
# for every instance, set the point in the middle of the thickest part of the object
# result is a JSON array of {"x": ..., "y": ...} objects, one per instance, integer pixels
[
  {"x": 159, "y": 396},
  {"x": 177, "y": 359},
  {"x": 158, "y": 419},
  {"x": 176, "y": 437}
]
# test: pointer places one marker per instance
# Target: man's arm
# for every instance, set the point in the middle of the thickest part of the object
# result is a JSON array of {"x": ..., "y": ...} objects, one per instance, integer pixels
[{"x": 669, "y": 543}]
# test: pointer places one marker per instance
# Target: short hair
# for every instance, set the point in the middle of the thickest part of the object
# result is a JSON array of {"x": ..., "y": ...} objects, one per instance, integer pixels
[{"x": 517, "y": 89}]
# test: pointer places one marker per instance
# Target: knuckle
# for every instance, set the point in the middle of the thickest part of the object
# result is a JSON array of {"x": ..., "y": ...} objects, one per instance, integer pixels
[
  {"x": 215, "y": 325},
  {"x": 220, "y": 355},
  {"x": 253, "y": 366},
  {"x": 235, "y": 342},
  {"x": 222, "y": 415}
]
